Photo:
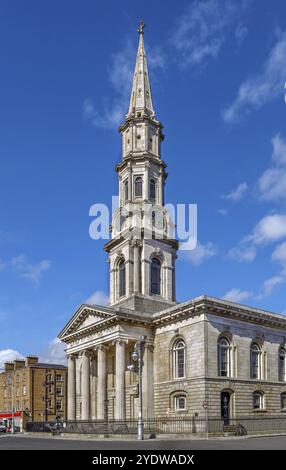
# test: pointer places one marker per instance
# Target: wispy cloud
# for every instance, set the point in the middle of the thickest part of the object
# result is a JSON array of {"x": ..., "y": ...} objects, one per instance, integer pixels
[
  {"x": 97, "y": 298},
  {"x": 241, "y": 32},
  {"x": 258, "y": 90},
  {"x": 200, "y": 254},
  {"x": 237, "y": 295},
  {"x": 32, "y": 272},
  {"x": 272, "y": 183},
  {"x": 237, "y": 193},
  {"x": 242, "y": 253},
  {"x": 201, "y": 30},
  {"x": 120, "y": 74}
]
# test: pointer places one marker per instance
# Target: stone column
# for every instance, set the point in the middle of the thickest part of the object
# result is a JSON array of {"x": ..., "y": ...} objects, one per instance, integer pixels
[
  {"x": 85, "y": 385},
  {"x": 101, "y": 381},
  {"x": 71, "y": 388},
  {"x": 136, "y": 267},
  {"x": 160, "y": 189},
  {"x": 148, "y": 381},
  {"x": 120, "y": 380}
]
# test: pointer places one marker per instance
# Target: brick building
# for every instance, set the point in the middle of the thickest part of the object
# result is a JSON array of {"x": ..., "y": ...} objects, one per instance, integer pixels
[{"x": 36, "y": 389}]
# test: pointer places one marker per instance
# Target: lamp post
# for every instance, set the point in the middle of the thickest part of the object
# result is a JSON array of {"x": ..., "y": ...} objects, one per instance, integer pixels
[{"x": 137, "y": 358}]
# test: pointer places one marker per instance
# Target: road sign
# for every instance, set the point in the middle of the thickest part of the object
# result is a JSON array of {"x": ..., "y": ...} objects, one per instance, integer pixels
[{"x": 205, "y": 404}]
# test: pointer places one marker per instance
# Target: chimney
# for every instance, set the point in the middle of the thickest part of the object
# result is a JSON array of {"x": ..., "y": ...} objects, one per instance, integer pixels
[
  {"x": 19, "y": 363},
  {"x": 8, "y": 366},
  {"x": 32, "y": 360}
]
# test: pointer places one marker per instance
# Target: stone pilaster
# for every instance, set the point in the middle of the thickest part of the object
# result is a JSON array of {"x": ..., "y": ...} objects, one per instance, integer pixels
[
  {"x": 85, "y": 385},
  {"x": 71, "y": 388},
  {"x": 148, "y": 381},
  {"x": 101, "y": 381},
  {"x": 120, "y": 380}
]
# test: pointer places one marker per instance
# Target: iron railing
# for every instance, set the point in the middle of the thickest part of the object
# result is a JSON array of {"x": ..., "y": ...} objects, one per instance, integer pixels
[{"x": 165, "y": 425}]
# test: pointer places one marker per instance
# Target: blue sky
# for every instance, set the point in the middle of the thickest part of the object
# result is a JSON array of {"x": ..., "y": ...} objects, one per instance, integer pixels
[{"x": 217, "y": 70}]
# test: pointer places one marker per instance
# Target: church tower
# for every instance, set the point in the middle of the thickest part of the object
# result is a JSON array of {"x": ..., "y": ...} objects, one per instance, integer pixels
[{"x": 142, "y": 251}]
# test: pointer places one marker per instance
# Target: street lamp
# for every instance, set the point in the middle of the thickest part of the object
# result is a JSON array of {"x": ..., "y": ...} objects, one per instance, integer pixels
[{"x": 137, "y": 358}]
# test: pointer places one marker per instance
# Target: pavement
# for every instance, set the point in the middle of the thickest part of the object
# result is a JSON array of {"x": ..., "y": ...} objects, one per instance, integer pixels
[{"x": 28, "y": 442}]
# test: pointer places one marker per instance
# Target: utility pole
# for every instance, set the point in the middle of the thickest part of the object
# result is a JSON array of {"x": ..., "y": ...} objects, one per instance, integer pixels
[{"x": 137, "y": 358}]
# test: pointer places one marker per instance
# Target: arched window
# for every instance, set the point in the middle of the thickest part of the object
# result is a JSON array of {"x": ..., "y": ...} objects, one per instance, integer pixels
[
  {"x": 152, "y": 189},
  {"x": 258, "y": 400},
  {"x": 126, "y": 191},
  {"x": 122, "y": 283},
  {"x": 179, "y": 402},
  {"x": 138, "y": 186},
  {"x": 282, "y": 365},
  {"x": 179, "y": 359},
  {"x": 155, "y": 276},
  {"x": 224, "y": 365},
  {"x": 283, "y": 401},
  {"x": 255, "y": 361}
]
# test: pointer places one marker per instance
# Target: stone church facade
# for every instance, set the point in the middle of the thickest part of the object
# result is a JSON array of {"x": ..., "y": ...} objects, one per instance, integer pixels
[{"x": 204, "y": 351}]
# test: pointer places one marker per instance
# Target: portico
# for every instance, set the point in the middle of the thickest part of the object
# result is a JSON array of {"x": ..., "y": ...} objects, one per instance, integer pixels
[{"x": 98, "y": 355}]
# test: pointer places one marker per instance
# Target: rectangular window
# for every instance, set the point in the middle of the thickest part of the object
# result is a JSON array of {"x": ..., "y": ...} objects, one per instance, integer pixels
[
  {"x": 59, "y": 378},
  {"x": 49, "y": 377},
  {"x": 59, "y": 405},
  {"x": 17, "y": 391},
  {"x": 59, "y": 390},
  {"x": 24, "y": 390},
  {"x": 5, "y": 393}
]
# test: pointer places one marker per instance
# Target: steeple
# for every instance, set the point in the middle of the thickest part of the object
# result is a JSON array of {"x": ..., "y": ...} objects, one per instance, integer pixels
[
  {"x": 141, "y": 257},
  {"x": 141, "y": 99}
]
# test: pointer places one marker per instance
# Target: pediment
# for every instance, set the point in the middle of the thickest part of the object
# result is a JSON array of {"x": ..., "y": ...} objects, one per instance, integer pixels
[{"x": 86, "y": 316}]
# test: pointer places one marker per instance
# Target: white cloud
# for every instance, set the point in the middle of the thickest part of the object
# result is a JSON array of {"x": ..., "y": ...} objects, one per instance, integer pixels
[
  {"x": 33, "y": 272},
  {"x": 201, "y": 31},
  {"x": 237, "y": 295},
  {"x": 54, "y": 353},
  {"x": 270, "y": 228},
  {"x": 7, "y": 355},
  {"x": 200, "y": 254},
  {"x": 258, "y": 90},
  {"x": 98, "y": 298},
  {"x": 237, "y": 193},
  {"x": 272, "y": 183}
]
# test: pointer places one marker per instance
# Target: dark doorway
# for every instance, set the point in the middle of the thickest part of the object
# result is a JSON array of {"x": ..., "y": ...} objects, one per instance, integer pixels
[{"x": 225, "y": 407}]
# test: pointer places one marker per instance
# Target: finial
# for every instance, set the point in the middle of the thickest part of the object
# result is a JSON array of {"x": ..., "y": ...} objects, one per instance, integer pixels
[{"x": 141, "y": 27}]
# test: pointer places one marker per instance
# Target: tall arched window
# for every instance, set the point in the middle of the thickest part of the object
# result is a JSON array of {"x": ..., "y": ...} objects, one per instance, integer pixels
[
  {"x": 282, "y": 365},
  {"x": 138, "y": 186},
  {"x": 255, "y": 361},
  {"x": 155, "y": 276},
  {"x": 152, "y": 189},
  {"x": 224, "y": 358},
  {"x": 122, "y": 283},
  {"x": 179, "y": 359}
]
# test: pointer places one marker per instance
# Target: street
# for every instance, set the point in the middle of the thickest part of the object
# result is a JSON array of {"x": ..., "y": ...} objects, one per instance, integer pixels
[{"x": 22, "y": 442}]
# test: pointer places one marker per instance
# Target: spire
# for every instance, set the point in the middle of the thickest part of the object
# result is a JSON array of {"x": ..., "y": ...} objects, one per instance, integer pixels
[{"x": 141, "y": 98}]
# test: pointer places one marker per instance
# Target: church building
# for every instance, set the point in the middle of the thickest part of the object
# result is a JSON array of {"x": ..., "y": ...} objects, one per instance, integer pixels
[{"x": 204, "y": 353}]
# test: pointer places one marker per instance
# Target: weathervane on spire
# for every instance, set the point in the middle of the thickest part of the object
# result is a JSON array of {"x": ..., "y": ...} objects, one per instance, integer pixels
[{"x": 141, "y": 27}]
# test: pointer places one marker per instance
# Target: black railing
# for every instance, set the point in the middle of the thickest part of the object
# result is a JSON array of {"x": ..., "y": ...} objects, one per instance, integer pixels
[{"x": 165, "y": 425}]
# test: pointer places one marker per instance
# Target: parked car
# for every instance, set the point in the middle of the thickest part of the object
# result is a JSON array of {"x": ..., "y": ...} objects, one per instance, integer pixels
[{"x": 2, "y": 428}]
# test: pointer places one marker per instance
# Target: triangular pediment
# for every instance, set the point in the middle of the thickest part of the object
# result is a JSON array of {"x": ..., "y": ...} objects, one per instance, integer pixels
[{"x": 86, "y": 316}]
